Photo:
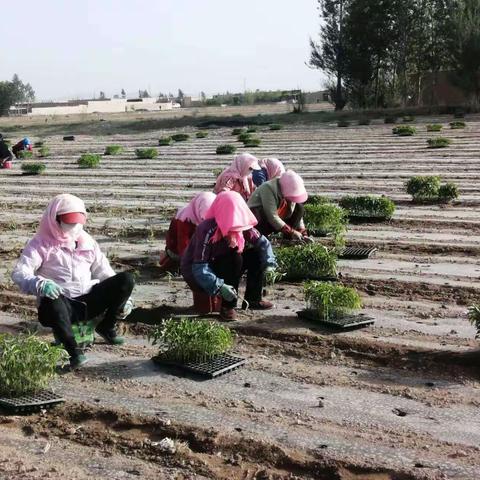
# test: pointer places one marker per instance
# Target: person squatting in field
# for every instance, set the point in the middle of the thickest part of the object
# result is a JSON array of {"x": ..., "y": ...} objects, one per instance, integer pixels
[
  {"x": 22, "y": 145},
  {"x": 224, "y": 246},
  {"x": 278, "y": 206},
  {"x": 5, "y": 154},
  {"x": 73, "y": 281},
  {"x": 181, "y": 229},
  {"x": 270, "y": 168},
  {"x": 238, "y": 176}
]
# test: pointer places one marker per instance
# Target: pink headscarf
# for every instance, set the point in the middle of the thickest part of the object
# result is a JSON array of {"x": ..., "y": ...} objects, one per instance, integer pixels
[
  {"x": 233, "y": 217},
  {"x": 273, "y": 166},
  {"x": 293, "y": 188},
  {"x": 195, "y": 211},
  {"x": 238, "y": 170},
  {"x": 49, "y": 230}
]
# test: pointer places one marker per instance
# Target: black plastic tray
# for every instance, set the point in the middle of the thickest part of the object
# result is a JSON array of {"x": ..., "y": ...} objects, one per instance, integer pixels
[
  {"x": 347, "y": 322},
  {"x": 215, "y": 367},
  {"x": 30, "y": 403},
  {"x": 357, "y": 253}
]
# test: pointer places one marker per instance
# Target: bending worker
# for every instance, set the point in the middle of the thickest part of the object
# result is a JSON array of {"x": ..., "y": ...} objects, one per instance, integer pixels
[
  {"x": 181, "y": 229},
  {"x": 73, "y": 281},
  {"x": 270, "y": 168},
  {"x": 22, "y": 145},
  {"x": 223, "y": 247}
]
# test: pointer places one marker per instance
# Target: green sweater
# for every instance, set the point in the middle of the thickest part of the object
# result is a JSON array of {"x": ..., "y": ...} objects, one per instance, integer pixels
[{"x": 268, "y": 197}]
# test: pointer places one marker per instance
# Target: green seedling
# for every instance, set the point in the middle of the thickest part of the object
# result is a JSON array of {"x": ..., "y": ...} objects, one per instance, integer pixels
[
  {"x": 201, "y": 134},
  {"x": 327, "y": 219},
  {"x": 457, "y": 125},
  {"x": 276, "y": 126},
  {"x": 165, "y": 141},
  {"x": 439, "y": 142},
  {"x": 434, "y": 127},
  {"x": 146, "y": 153},
  {"x": 225, "y": 149},
  {"x": 27, "y": 364},
  {"x": 32, "y": 168},
  {"x": 43, "y": 151},
  {"x": 113, "y": 150},
  {"x": 404, "y": 131},
  {"x": 252, "y": 143},
  {"x": 180, "y": 137},
  {"x": 330, "y": 300},
  {"x": 244, "y": 137},
  {"x": 252, "y": 129},
  {"x": 25, "y": 154},
  {"x": 368, "y": 206},
  {"x": 448, "y": 192},
  {"x": 89, "y": 160},
  {"x": 423, "y": 188},
  {"x": 191, "y": 340},
  {"x": 238, "y": 131}
]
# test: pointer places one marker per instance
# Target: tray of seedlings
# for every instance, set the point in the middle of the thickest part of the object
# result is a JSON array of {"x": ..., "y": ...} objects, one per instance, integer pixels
[
  {"x": 368, "y": 208},
  {"x": 429, "y": 189},
  {"x": 194, "y": 346},
  {"x": 334, "y": 306},
  {"x": 27, "y": 367}
]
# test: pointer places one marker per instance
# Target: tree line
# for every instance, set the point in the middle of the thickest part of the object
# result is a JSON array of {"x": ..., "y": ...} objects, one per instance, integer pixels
[{"x": 385, "y": 53}]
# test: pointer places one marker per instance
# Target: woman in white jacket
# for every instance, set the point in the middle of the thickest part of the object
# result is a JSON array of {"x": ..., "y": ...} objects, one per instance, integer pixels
[{"x": 73, "y": 281}]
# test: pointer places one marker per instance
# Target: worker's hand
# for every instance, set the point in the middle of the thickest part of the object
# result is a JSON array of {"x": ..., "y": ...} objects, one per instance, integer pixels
[
  {"x": 307, "y": 239},
  {"x": 49, "y": 289},
  {"x": 126, "y": 310},
  {"x": 297, "y": 236},
  {"x": 228, "y": 292}
]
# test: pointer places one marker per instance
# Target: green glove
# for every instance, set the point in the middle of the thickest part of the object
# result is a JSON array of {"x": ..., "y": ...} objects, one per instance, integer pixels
[
  {"x": 228, "y": 292},
  {"x": 49, "y": 289}
]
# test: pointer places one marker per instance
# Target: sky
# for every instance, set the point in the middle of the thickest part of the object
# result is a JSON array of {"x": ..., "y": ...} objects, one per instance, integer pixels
[{"x": 77, "y": 48}]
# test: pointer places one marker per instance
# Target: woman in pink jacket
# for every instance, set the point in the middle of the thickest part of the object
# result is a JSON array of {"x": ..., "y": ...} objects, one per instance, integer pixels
[
  {"x": 238, "y": 176},
  {"x": 73, "y": 281}
]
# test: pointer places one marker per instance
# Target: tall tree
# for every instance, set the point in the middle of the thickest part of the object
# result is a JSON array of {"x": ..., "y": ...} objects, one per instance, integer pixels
[
  {"x": 328, "y": 55},
  {"x": 14, "y": 92}
]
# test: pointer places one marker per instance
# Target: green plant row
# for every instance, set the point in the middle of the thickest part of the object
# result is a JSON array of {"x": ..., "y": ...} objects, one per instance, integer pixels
[
  {"x": 89, "y": 160},
  {"x": 180, "y": 137},
  {"x": 434, "y": 127},
  {"x": 225, "y": 149},
  {"x": 165, "y": 141},
  {"x": 146, "y": 153},
  {"x": 25, "y": 154},
  {"x": 330, "y": 300},
  {"x": 429, "y": 189},
  {"x": 113, "y": 150},
  {"x": 27, "y": 364},
  {"x": 33, "y": 168},
  {"x": 190, "y": 340},
  {"x": 404, "y": 130},
  {"x": 368, "y": 206},
  {"x": 439, "y": 142},
  {"x": 327, "y": 219},
  {"x": 43, "y": 151}
]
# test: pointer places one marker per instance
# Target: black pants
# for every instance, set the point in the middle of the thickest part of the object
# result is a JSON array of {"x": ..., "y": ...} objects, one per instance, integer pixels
[
  {"x": 294, "y": 220},
  {"x": 105, "y": 297},
  {"x": 231, "y": 267}
]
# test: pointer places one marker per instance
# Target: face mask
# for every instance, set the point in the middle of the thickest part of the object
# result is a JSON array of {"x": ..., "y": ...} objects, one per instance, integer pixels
[{"x": 73, "y": 230}]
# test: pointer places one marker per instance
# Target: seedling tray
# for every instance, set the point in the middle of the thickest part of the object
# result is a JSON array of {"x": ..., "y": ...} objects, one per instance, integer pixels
[
  {"x": 347, "y": 322},
  {"x": 357, "y": 253},
  {"x": 68, "y": 138},
  {"x": 30, "y": 403},
  {"x": 220, "y": 365}
]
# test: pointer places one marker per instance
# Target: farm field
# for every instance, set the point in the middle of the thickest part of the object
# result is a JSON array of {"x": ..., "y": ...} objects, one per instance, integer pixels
[{"x": 394, "y": 401}]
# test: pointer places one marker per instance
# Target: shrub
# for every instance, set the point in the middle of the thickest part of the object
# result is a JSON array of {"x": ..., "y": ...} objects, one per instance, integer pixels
[
  {"x": 24, "y": 154},
  {"x": 343, "y": 123},
  {"x": 325, "y": 219},
  {"x": 243, "y": 137},
  {"x": 190, "y": 340},
  {"x": 43, "y": 152},
  {"x": 439, "y": 142},
  {"x": 252, "y": 129},
  {"x": 330, "y": 300},
  {"x": 27, "y": 364},
  {"x": 33, "y": 168},
  {"x": 146, "y": 153},
  {"x": 474, "y": 317},
  {"x": 252, "y": 142},
  {"x": 390, "y": 119},
  {"x": 368, "y": 206},
  {"x": 408, "y": 119},
  {"x": 404, "y": 130},
  {"x": 165, "y": 141},
  {"x": 89, "y": 160},
  {"x": 435, "y": 127},
  {"x": 226, "y": 149},
  {"x": 180, "y": 137},
  {"x": 423, "y": 188},
  {"x": 276, "y": 126},
  {"x": 113, "y": 149},
  {"x": 364, "y": 121},
  {"x": 312, "y": 261},
  {"x": 238, "y": 131},
  {"x": 457, "y": 125},
  {"x": 201, "y": 134},
  {"x": 448, "y": 192}
]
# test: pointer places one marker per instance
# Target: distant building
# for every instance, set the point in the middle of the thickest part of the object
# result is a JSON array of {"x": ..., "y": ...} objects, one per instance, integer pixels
[
  {"x": 72, "y": 107},
  {"x": 317, "y": 97}
]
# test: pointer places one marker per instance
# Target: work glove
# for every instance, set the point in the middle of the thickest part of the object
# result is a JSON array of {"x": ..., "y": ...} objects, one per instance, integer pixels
[
  {"x": 297, "y": 236},
  {"x": 228, "y": 293},
  {"x": 49, "y": 289},
  {"x": 307, "y": 239},
  {"x": 126, "y": 310}
]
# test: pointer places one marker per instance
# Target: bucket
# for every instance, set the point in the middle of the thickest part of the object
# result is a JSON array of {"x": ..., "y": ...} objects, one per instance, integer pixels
[
  {"x": 205, "y": 304},
  {"x": 7, "y": 164}
]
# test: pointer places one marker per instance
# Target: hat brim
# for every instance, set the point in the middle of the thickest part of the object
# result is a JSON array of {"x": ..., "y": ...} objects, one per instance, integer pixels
[
  {"x": 73, "y": 217},
  {"x": 302, "y": 198}
]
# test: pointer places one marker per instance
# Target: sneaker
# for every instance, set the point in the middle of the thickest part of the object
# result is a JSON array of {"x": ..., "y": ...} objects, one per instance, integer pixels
[
  {"x": 227, "y": 314},
  {"x": 260, "y": 305},
  {"x": 111, "y": 337},
  {"x": 78, "y": 361}
]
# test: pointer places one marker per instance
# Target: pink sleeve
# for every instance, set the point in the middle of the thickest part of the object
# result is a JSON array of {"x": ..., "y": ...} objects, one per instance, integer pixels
[
  {"x": 24, "y": 273},
  {"x": 101, "y": 269}
]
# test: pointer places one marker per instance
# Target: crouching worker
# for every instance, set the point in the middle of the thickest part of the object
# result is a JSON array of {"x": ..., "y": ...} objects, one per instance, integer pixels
[
  {"x": 22, "y": 145},
  {"x": 6, "y": 155},
  {"x": 270, "y": 168},
  {"x": 278, "y": 206},
  {"x": 73, "y": 281},
  {"x": 222, "y": 248},
  {"x": 181, "y": 229}
]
